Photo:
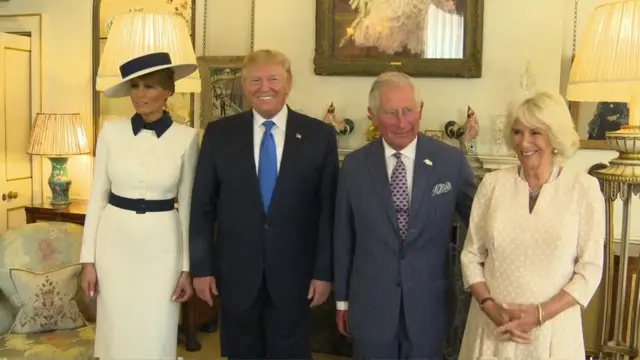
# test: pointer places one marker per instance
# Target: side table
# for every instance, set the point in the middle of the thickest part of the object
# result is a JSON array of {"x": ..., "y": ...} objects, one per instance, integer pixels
[{"x": 196, "y": 314}]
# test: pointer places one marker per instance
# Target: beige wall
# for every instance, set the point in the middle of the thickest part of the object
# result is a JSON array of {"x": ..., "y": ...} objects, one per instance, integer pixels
[
  {"x": 538, "y": 31},
  {"x": 515, "y": 32},
  {"x": 67, "y": 74},
  {"x": 66, "y": 70}
]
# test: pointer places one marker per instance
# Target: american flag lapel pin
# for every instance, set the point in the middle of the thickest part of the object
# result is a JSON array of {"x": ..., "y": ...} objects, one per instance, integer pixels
[{"x": 298, "y": 136}]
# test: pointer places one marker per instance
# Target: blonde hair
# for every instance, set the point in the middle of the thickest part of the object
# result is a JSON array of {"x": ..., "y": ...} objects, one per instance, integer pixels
[
  {"x": 267, "y": 57},
  {"x": 548, "y": 111},
  {"x": 389, "y": 78}
]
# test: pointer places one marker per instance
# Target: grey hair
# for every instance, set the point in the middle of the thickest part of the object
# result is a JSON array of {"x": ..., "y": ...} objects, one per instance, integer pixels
[{"x": 389, "y": 78}]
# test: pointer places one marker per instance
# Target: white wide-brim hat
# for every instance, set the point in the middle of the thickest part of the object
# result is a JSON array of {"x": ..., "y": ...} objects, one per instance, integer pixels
[{"x": 146, "y": 64}]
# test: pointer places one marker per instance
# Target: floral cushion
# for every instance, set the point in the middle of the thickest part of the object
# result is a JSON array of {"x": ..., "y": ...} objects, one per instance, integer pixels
[
  {"x": 66, "y": 344},
  {"x": 41, "y": 246},
  {"x": 47, "y": 300}
]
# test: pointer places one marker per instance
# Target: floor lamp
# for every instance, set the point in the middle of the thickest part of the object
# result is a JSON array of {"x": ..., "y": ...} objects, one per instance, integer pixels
[{"x": 607, "y": 68}]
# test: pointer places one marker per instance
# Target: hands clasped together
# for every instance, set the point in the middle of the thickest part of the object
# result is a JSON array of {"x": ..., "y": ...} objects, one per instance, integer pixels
[{"x": 514, "y": 321}]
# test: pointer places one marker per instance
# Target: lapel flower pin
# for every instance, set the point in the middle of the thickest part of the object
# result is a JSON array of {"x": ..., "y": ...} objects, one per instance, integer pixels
[
  {"x": 298, "y": 136},
  {"x": 428, "y": 162}
]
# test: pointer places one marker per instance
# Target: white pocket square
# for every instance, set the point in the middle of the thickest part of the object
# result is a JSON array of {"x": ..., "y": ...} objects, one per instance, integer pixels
[{"x": 441, "y": 188}]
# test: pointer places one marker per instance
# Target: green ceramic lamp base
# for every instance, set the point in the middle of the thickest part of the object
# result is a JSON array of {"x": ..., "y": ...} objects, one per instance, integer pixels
[{"x": 59, "y": 181}]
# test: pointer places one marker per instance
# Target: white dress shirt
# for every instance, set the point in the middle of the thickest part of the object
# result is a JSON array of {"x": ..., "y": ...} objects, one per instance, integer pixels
[
  {"x": 408, "y": 158},
  {"x": 278, "y": 132}
]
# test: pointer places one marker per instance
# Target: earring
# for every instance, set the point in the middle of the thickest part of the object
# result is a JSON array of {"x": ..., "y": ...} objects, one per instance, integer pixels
[{"x": 555, "y": 151}]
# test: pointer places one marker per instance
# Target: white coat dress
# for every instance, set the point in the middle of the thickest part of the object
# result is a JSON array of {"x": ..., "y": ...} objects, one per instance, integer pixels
[{"x": 139, "y": 257}]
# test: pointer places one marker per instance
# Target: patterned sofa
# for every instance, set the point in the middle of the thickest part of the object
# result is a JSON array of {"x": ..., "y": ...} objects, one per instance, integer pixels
[{"x": 35, "y": 249}]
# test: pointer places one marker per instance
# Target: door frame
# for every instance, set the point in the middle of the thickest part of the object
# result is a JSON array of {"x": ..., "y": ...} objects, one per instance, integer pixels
[{"x": 31, "y": 24}]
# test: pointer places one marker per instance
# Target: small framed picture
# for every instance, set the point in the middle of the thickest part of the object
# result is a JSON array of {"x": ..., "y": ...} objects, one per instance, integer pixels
[{"x": 438, "y": 134}]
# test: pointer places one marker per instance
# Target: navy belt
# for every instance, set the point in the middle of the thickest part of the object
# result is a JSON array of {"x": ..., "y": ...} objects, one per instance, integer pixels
[{"x": 141, "y": 206}]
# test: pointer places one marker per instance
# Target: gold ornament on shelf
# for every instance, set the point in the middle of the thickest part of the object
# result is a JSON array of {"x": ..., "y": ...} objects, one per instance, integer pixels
[{"x": 372, "y": 132}]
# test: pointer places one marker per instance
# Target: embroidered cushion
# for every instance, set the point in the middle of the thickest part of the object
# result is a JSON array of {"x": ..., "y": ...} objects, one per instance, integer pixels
[
  {"x": 47, "y": 299},
  {"x": 42, "y": 246}
]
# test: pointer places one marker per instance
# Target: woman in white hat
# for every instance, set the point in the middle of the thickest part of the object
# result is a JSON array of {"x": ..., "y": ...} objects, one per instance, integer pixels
[{"x": 135, "y": 245}]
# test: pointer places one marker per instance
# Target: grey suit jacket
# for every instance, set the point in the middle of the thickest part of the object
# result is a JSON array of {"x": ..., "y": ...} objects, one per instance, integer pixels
[{"x": 373, "y": 268}]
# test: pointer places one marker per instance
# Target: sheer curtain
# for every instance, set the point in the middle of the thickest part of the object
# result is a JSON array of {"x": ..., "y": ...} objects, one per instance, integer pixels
[{"x": 444, "y": 35}]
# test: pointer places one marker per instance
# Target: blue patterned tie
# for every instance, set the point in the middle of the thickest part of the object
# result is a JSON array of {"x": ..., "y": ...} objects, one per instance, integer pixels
[
  {"x": 268, "y": 164},
  {"x": 400, "y": 194}
]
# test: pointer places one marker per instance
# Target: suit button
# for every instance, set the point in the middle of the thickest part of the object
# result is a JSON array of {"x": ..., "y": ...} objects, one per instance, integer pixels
[
  {"x": 398, "y": 284},
  {"x": 266, "y": 226}
]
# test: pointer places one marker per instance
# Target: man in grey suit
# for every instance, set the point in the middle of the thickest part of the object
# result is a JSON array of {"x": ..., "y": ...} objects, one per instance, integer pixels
[{"x": 397, "y": 198}]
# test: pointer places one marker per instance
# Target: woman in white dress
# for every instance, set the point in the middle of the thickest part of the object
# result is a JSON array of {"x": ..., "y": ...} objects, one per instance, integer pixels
[
  {"x": 135, "y": 245},
  {"x": 534, "y": 248}
]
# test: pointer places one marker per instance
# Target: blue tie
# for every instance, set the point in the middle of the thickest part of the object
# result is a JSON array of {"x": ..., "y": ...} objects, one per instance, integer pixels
[{"x": 268, "y": 164}]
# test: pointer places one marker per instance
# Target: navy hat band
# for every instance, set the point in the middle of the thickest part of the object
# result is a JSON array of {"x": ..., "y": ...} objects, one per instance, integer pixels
[{"x": 144, "y": 62}]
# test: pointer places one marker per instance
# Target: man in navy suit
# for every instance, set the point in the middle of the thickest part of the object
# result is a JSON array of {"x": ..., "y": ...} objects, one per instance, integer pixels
[
  {"x": 397, "y": 198},
  {"x": 265, "y": 189}
]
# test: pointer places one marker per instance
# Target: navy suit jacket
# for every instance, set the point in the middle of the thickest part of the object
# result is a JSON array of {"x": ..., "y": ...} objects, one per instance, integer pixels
[
  {"x": 374, "y": 269},
  {"x": 289, "y": 246}
]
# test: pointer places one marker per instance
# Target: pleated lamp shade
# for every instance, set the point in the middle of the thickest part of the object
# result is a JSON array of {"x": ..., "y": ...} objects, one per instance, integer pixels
[
  {"x": 58, "y": 135},
  {"x": 138, "y": 33},
  {"x": 607, "y": 60}
]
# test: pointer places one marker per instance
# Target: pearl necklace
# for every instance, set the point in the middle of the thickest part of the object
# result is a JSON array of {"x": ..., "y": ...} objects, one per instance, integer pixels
[{"x": 552, "y": 177}]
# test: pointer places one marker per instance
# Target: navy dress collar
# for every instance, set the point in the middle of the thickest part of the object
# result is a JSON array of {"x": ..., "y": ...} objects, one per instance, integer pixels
[{"x": 159, "y": 126}]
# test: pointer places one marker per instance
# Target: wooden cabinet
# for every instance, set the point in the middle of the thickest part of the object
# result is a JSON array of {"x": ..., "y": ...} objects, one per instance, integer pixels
[{"x": 196, "y": 314}]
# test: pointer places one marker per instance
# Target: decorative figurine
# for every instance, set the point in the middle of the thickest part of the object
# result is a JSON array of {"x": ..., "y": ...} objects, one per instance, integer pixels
[
  {"x": 465, "y": 134},
  {"x": 499, "y": 135},
  {"x": 527, "y": 79},
  {"x": 342, "y": 127}
]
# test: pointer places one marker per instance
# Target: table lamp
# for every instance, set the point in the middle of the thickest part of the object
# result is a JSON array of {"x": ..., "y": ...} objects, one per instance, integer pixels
[
  {"x": 58, "y": 136},
  {"x": 138, "y": 33},
  {"x": 606, "y": 68}
]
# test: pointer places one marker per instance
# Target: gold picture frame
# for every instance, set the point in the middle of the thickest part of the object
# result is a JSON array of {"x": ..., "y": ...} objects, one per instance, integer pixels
[
  {"x": 221, "y": 94},
  {"x": 333, "y": 57}
]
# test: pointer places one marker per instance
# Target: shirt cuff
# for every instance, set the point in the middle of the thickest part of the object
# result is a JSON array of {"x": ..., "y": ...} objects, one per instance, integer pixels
[{"x": 342, "y": 305}]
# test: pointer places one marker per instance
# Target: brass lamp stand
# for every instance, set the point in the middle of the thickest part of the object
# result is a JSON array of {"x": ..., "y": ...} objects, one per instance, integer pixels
[{"x": 621, "y": 179}]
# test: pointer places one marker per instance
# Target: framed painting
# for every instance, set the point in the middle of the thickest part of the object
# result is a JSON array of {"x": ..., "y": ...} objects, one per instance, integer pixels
[
  {"x": 593, "y": 120},
  {"x": 423, "y": 38},
  {"x": 221, "y": 93}
]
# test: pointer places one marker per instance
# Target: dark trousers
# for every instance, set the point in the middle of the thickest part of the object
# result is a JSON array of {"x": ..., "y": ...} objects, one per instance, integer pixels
[
  {"x": 266, "y": 330},
  {"x": 399, "y": 347}
]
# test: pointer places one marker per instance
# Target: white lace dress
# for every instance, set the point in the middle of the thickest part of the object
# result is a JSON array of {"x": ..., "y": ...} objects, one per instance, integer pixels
[{"x": 527, "y": 258}]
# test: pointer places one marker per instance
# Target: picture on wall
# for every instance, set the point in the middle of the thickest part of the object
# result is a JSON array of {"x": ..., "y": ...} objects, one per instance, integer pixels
[
  {"x": 593, "y": 120},
  {"x": 421, "y": 29},
  {"x": 221, "y": 93},
  {"x": 428, "y": 38},
  {"x": 608, "y": 116}
]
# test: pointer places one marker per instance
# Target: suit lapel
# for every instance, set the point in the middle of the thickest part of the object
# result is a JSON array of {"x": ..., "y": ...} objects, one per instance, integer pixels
[
  {"x": 247, "y": 159},
  {"x": 380, "y": 177},
  {"x": 291, "y": 150},
  {"x": 423, "y": 180}
]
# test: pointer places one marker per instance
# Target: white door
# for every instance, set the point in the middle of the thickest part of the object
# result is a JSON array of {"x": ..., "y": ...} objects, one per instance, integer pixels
[{"x": 15, "y": 127}]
